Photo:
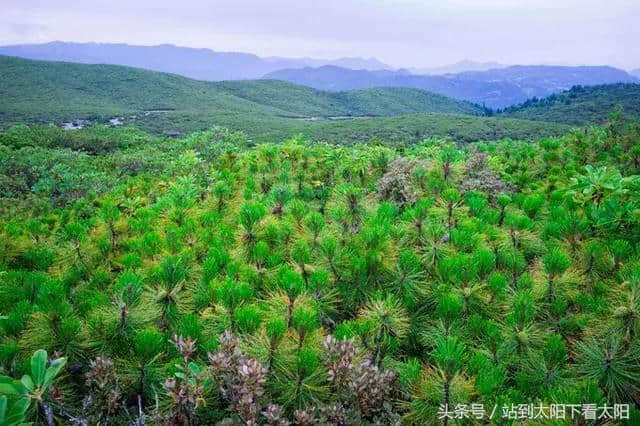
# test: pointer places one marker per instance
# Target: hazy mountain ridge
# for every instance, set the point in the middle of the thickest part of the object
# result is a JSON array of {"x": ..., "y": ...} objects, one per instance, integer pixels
[
  {"x": 496, "y": 88},
  {"x": 197, "y": 63},
  {"x": 50, "y": 91},
  {"x": 538, "y": 79},
  {"x": 457, "y": 67},
  {"x": 356, "y": 63},
  {"x": 29, "y": 86}
]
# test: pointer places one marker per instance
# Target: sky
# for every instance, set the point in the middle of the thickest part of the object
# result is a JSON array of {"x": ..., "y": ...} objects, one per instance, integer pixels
[{"x": 401, "y": 33}]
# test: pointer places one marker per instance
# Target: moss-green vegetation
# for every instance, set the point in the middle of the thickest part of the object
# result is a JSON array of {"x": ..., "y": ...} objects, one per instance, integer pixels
[{"x": 207, "y": 278}]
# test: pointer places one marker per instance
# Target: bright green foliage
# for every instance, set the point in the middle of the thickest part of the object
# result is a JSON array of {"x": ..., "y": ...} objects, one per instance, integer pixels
[
  {"x": 614, "y": 366},
  {"x": 239, "y": 282},
  {"x": 555, "y": 263}
]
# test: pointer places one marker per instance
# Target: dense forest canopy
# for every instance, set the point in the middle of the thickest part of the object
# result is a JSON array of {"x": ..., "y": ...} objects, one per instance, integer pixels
[{"x": 212, "y": 279}]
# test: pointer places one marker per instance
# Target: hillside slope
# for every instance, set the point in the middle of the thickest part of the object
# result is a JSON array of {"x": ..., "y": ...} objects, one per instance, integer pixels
[
  {"x": 581, "y": 105},
  {"x": 52, "y": 92},
  {"x": 377, "y": 101},
  {"x": 38, "y": 90},
  {"x": 414, "y": 128}
]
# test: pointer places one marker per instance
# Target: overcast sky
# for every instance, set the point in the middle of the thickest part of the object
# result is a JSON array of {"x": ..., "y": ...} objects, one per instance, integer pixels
[{"x": 402, "y": 33}]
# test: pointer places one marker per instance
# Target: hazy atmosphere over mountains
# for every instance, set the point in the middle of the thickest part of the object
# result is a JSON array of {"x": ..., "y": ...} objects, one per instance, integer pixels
[
  {"x": 202, "y": 64},
  {"x": 497, "y": 87},
  {"x": 410, "y": 56},
  {"x": 460, "y": 66},
  {"x": 450, "y": 48},
  {"x": 402, "y": 33}
]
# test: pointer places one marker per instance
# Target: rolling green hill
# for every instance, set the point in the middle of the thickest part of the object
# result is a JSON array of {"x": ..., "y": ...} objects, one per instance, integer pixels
[
  {"x": 581, "y": 105},
  {"x": 307, "y": 101},
  {"x": 59, "y": 90},
  {"x": 53, "y": 92}
]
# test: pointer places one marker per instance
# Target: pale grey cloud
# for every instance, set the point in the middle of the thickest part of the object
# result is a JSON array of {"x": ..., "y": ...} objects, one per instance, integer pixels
[{"x": 400, "y": 32}]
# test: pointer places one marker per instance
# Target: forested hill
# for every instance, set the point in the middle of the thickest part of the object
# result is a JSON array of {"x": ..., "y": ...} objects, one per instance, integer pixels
[
  {"x": 496, "y": 88},
  {"x": 581, "y": 105},
  {"x": 384, "y": 101},
  {"x": 53, "y": 92},
  {"x": 49, "y": 91}
]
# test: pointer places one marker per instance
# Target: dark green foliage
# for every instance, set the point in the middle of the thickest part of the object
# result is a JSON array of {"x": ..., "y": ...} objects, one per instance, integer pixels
[{"x": 580, "y": 105}]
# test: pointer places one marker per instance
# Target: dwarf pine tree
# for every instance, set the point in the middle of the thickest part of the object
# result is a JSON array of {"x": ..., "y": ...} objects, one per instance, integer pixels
[{"x": 213, "y": 280}]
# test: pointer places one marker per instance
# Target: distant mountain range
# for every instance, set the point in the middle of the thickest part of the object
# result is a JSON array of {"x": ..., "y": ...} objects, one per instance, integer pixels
[
  {"x": 495, "y": 88},
  {"x": 206, "y": 64},
  {"x": 460, "y": 66},
  {"x": 356, "y": 63},
  {"x": 201, "y": 64},
  {"x": 484, "y": 83},
  {"x": 635, "y": 73}
]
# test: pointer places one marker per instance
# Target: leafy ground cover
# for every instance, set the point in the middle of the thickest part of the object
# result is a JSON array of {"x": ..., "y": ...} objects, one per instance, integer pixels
[{"x": 212, "y": 279}]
